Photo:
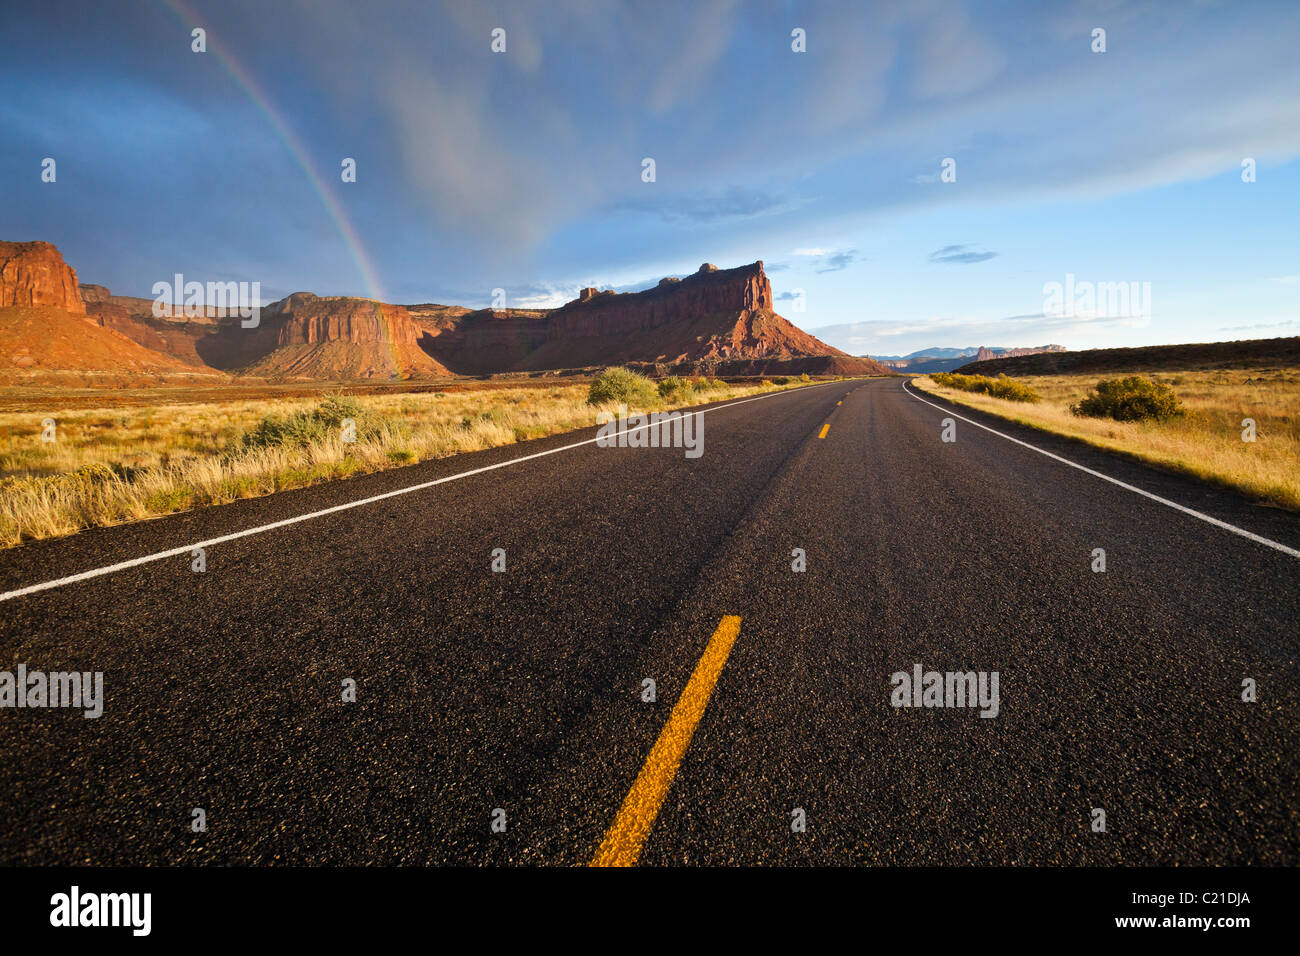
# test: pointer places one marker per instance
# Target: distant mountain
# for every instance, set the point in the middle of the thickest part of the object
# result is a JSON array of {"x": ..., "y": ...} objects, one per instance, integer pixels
[
  {"x": 928, "y": 353},
  {"x": 923, "y": 361}
]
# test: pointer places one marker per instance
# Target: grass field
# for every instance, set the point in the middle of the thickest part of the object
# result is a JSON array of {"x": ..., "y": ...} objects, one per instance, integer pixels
[
  {"x": 1206, "y": 442},
  {"x": 112, "y": 465}
]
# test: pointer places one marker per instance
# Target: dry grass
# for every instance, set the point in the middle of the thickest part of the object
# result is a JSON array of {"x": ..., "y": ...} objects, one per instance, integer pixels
[
  {"x": 110, "y": 466},
  {"x": 1205, "y": 443}
]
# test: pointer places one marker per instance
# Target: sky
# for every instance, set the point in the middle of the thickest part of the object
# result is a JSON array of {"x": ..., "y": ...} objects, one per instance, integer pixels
[{"x": 525, "y": 169}]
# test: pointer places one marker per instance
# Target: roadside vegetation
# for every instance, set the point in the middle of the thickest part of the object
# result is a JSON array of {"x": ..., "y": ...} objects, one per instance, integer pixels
[
  {"x": 1132, "y": 399},
  {"x": 621, "y": 386},
  {"x": 1000, "y": 387},
  {"x": 112, "y": 465},
  {"x": 1189, "y": 422}
]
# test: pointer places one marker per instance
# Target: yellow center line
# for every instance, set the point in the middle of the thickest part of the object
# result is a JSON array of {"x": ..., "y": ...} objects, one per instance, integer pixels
[
  {"x": 825, "y": 429},
  {"x": 622, "y": 844}
]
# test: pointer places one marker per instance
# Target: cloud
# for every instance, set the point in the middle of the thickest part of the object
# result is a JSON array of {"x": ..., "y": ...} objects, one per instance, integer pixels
[
  {"x": 837, "y": 261},
  {"x": 733, "y": 203},
  {"x": 960, "y": 254},
  {"x": 953, "y": 57},
  {"x": 828, "y": 260},
  {"x": 1289, "y": 323}
]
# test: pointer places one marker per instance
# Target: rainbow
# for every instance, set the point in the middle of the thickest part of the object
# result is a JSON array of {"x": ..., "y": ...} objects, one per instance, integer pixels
[{"x": 248, "y": 83}]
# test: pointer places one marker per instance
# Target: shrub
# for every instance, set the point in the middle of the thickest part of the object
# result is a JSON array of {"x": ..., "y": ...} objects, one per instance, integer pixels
[
  {"x": 1000, "y": 387},
  {"x": 805, "y": 377},
  {"x": 169, "y": 499},
  {"x": 621, "y": 385},
  {"x": 1132, "y": 399},
  {"x": 309, "y": 428},
  {"x": 674, "y": 385},
  {"x": 781, "y": 380}
]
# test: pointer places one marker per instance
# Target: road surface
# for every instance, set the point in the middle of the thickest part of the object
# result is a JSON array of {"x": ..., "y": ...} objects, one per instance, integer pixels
[{"x": 516, "y": 697}]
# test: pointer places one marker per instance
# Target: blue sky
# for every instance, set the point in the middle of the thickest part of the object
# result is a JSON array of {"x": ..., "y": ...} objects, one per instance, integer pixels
[{"x": 523, "y": 170}]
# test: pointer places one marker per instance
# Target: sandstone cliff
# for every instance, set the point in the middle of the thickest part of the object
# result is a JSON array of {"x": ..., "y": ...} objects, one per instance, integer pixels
[
  {"x": 714, "y": 316},
  {"x": 339, "y": 337},
  {"x": 34, "y": 274},
  {"x": 717, "y": 319}
]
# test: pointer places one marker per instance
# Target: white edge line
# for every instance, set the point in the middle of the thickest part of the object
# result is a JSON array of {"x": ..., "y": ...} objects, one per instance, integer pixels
[
  {"x": 1259, "y": 539},
  {"x": 173, "y": 552}
]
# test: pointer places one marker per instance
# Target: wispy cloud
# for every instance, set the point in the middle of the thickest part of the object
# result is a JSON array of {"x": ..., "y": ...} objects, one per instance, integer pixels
[
  {"x": 960, "y": 254},
  {"x": 838, "y": 260},
  {"x": 733, "y": 203},
  {"x": 1260, "y": 326}
]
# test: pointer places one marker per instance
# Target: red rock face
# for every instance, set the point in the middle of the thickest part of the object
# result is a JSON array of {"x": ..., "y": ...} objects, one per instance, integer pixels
[
  {"x": 308, "y": 319},
  {"x": 484, "y": 342},
  {"x": 715, "y": 314},
  {"x": 34, "y": 274},
  {"x": 709, "y": 292}
]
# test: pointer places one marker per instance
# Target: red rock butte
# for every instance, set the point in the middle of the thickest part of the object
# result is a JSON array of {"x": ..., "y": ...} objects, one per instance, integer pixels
[
  {"x": 716, "y": 321},
  {"x": 34, "y": 274}
]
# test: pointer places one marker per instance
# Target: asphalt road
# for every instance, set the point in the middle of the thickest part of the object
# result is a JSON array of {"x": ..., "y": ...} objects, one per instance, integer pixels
[{"x": 522, "y": 691}]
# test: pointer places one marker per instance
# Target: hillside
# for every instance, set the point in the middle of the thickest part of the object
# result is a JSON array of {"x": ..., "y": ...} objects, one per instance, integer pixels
[
  {"x": 1153, "y": 358},
  {"x": 50, "y": 346}
]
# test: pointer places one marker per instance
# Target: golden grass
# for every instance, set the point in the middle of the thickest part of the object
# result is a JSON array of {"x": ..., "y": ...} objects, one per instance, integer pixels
[
  {"x": 1205, "y": 443},
  {"x": 109, "y": 466}
]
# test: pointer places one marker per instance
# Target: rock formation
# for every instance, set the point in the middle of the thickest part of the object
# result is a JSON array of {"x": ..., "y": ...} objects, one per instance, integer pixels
[
  {"x": 717, "y": 321},
  {"x": 987, "y": 355},
  {"x": 34, "y": 274},
  {"x": 715, "y": 318},
  {"x": 337, "y": 337}
]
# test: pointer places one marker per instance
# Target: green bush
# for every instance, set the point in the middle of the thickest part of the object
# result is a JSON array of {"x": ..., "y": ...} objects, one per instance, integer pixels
[
  {"x": 1132, "y": 399},
  {"x": 674, "y": 385},
  {"x": 307, "y": 428},
  {"x": 781, "y": 380},
  {"x": 805, "y": 377},
  {"x": 1000, "y": 387},
  {"x": 621, "y": 385}
]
